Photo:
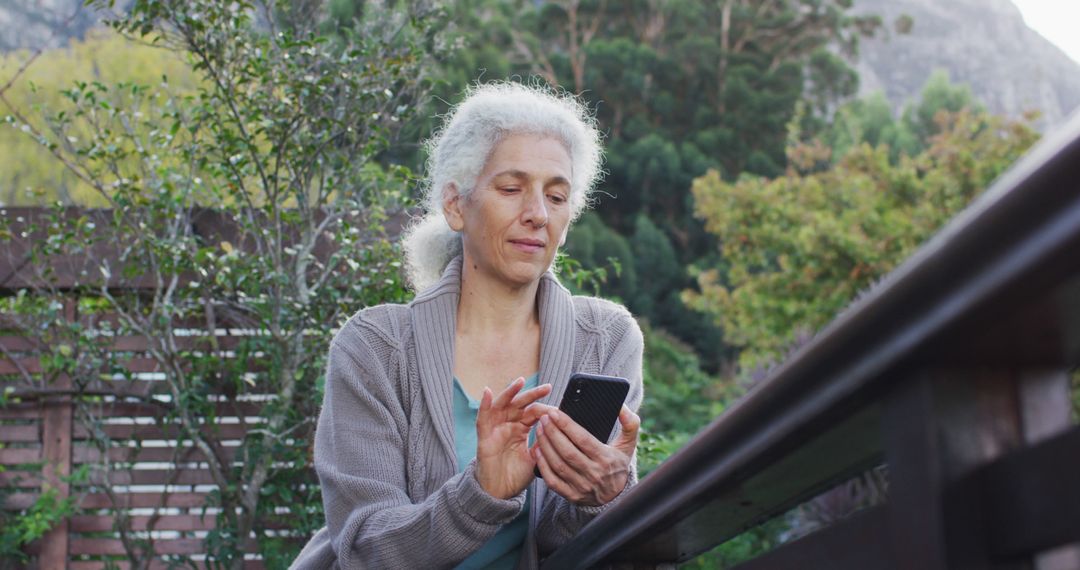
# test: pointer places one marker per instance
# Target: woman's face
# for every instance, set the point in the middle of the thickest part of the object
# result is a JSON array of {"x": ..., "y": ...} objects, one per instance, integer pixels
[{"x": 517, "y": 215}]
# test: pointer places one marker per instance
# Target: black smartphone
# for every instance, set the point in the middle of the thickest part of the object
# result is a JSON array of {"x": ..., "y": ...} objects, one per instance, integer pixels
[{"x": 594, "y": 401}]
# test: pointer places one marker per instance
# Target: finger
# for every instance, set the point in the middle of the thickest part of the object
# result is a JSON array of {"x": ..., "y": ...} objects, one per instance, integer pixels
[
  {"x": 534, "y": 412},
  {"x": 531, "y": 395},
  {"x": 580, "y": 436},
  {"x": 485, "y": 409},
  {"x": 555, "y": 457},
  {"x": 567, "y": 450},
  {"x": 552, "y": 479},
  {"x": 631, "y": 424},
  {"x": 508, "y": 394}
]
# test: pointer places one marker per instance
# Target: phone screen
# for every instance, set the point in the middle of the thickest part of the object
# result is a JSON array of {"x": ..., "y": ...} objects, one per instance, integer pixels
[{"x": 594, "y": 402}]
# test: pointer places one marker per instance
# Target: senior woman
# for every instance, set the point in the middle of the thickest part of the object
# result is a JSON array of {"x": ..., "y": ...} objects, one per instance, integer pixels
[{"x": 423, "y": 445}]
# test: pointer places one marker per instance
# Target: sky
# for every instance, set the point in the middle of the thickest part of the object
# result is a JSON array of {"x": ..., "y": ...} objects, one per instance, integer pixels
[{"x": 1055, "y": 20}]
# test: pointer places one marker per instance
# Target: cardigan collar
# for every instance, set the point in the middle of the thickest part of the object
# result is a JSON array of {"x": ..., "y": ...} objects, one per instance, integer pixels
[{"x": 434, "y": 319}]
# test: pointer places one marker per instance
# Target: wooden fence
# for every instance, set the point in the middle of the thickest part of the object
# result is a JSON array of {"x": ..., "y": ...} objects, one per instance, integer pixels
[
  {"x": 137, "y": 486},
  {"x": 155, "y": 490}
]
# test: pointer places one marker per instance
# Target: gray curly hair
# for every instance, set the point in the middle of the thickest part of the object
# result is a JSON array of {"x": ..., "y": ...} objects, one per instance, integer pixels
[{"x": 458, "y": 151}]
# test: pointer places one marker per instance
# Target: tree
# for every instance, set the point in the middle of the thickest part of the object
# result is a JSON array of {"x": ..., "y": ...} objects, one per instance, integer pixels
[
  {"x": 680, "y": 87},
  {"x": 800, "y": 247},
  {"x": 28, "y": 173},
  {"x": 280, "y": 143}
]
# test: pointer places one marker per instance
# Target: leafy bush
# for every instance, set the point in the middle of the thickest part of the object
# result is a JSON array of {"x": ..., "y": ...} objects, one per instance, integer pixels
[{"x": 256, "y": 202}]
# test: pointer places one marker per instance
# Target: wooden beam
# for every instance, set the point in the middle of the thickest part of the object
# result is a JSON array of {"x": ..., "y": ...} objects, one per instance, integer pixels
[
  {"x": 856, "y": 543},
  {"x": 56, "y": 448},
  {"x": 941, "y": 427}
]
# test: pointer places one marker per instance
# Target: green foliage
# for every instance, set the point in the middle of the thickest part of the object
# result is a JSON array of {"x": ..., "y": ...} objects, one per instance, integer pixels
[
  {"x": 654, "y": 448},
  {"x": 871, "y": 120},
  {"x": 802, "y": 246},
  {"x": 29, "y": 175},
  {"x": 580, "y": 279},
  {"x": 20, "y": 528},
  {"x": 593, "y": 243},
  {"x": 654, "y": 297},
  {"x": 938, "y": 95},
  {"x": 653, "y": 252},
  {"x": 257, "y": 200},
  {"x": 741, "y": 548},
  {"x": 682, "y": 398}
]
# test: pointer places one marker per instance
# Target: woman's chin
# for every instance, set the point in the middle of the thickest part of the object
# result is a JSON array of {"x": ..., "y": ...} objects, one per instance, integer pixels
[{"x": 525, "y": 274}]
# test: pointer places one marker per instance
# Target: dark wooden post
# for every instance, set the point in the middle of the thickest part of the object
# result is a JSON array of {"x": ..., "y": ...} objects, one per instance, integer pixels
[
  {"x": 56, "y": 443},
  {"x": 1046, "y": 411},
  {"x": 939, "y": 427}
]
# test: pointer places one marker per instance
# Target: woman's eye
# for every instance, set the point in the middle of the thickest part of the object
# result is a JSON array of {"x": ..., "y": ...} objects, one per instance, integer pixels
[
  {"x": 510, "y": 189},
  {"x": 558, "y": 199}
]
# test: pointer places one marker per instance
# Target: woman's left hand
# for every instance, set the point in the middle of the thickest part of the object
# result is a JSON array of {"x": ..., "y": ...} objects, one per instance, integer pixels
[{"x": 576, "y": 465}]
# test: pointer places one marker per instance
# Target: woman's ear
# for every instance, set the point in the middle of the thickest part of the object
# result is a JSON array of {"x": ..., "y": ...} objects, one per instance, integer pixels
[{"x": 452, "y": 200}]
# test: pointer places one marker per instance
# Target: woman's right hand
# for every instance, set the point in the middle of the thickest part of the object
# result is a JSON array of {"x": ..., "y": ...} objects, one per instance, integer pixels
[{"x": 504, "y": 466}]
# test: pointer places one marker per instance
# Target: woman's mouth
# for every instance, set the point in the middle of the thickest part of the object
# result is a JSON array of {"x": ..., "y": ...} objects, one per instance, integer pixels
[{"x": 527, "y": 245}]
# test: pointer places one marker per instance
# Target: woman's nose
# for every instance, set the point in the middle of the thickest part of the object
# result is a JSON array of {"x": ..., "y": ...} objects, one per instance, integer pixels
[{"x": 535, "y": 210}]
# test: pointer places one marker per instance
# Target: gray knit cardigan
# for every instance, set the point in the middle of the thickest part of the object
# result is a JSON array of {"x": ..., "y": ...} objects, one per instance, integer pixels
[{"x": 384, "y": 445}]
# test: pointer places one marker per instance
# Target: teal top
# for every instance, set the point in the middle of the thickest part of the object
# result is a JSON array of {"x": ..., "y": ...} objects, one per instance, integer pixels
[{"x": 503, "y": 549}]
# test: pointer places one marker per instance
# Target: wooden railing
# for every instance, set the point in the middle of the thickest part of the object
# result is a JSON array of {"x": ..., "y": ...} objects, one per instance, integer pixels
[{"x": 953, "y": 373}]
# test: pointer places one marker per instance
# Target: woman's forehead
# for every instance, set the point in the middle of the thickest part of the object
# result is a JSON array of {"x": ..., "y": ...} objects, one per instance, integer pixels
[{"x": 529, "y": 156}]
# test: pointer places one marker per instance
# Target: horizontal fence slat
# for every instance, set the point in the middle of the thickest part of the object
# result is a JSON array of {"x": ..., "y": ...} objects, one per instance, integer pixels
[
  {"x": 14, "y": 456},
  {"x": 21, "y": 433},
  {"x": 109, "y": 546},
  {"x": 20, "y": 411},
  {"x": 161, "y": 477},
  {"x": 21, "y": 479},
  {"x": 134, "y": 364},
  {"x": 19, "y": 343},
  {"x": 134, "y": 409},
  {"x": 86, "y": 454},
  {"x": 129, "y": 477},
  {"x": 32, "y": 365},
  {"x": 139, "y": 343},
  {"x": 155, "y": 565},
  {"x": 153, "y": 432},
  {"x": 182, "y": 523},
  {"x": 136, "y": 343},
  {"x": 141, "y": 387},
  {"x": 104, "y": 523},
  {"x": 144, "y": 500}
]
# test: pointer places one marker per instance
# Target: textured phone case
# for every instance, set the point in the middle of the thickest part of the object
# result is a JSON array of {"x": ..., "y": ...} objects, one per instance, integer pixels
[{"x": 594, "y": 401}]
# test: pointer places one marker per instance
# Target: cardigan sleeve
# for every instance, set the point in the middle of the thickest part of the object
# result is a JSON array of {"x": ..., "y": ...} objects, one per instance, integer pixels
[
  {"x": 561, "y": 519},
  {"x": 360, "y": 452}
]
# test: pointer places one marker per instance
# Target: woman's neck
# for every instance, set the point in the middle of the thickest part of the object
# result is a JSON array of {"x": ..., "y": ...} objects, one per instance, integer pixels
[{"x": 490, "y": 307}]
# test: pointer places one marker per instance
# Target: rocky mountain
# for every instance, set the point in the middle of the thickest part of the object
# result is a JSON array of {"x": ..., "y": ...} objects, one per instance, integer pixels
[
  {"x": 983, "y": 43},
  {"x": 32, "y": 24}
]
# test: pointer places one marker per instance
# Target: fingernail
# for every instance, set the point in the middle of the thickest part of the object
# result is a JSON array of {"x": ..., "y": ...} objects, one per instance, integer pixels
[{"x": 545, "y": 419}]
